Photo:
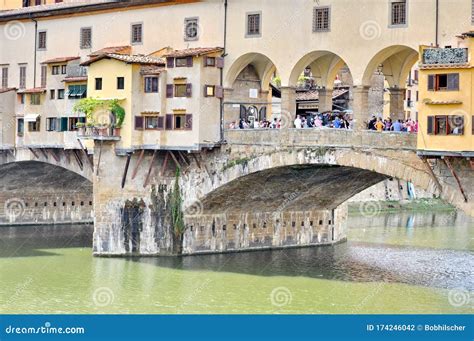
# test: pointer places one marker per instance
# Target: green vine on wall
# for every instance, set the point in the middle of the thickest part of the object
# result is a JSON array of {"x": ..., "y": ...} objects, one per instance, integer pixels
[
  {"x": 176, "y": 203},
  {"x": 89, "y": 106}
]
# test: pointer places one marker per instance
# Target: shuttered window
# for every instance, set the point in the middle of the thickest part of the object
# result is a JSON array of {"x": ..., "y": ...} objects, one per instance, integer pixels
[
  {"x": 4, "y": 77},
  {"x": 189, "y": 90},
  {"x": 139, "y": 123},
  {"x": 86, "y": 38},
  {"x": 42, "y": 40},
  {"x": 137, "y": 33},
  {"x": 443, "y": 82},
  {"x": 44, "y": 71},
  {"x": 169, "y": 122},
  {"x": 189, "y": 122},
  {"x": 430, "y": 125},
  {"x": 22, "y": 84},
  {"x": 169, "y": 90},
  {"x": 170, "y": 62},
  {"x": 220, "y": 62}
]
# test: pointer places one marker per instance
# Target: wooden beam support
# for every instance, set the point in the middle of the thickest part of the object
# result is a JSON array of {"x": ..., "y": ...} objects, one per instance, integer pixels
[
  {"x": 165, "y": 163},
  {"x": 432, "y": 174},
  {"x": 178, "y": 165},
  {"x": 54, "y": 155},
  {"x": 42, "y": 150},
  {"x": 150, "y": 169},
  {"x": 185, "y": 160},
  {"x": 139, "y": 162},
  {"x": 196, "y": 160},
  {"x": 453, "y": 172},
  {"x": 78, "y": 159},
  {"x": 99, "y": 158},
  {"x": 84, "y": 152},
  {"x": 67, "y": 155},
  {"x": 125, "y": 171}
]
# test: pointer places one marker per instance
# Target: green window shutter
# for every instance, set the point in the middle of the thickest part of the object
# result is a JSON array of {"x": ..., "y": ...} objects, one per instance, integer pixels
[
  {"x": 63, "y": 124},
  {"x": 431, "y": 125},
  {"x": 431, "y": 82}
]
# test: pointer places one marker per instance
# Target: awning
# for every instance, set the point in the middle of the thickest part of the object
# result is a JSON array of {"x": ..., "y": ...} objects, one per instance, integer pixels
[{"x": 31, "y": 117}]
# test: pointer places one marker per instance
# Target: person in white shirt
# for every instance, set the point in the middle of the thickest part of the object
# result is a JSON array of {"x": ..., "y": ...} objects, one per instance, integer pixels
[{"x": 298, "y": 122}]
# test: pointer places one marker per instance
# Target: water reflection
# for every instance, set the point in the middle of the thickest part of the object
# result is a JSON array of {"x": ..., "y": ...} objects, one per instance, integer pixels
[{"x": 431, "y": 250}]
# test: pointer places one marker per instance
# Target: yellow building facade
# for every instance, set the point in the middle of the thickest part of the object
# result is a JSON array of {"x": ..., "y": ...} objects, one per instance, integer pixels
[{"x": 446, "y": 99}]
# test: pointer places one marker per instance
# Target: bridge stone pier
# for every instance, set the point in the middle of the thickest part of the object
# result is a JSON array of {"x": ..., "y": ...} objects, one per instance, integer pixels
[{"x": 260, "y": 189}]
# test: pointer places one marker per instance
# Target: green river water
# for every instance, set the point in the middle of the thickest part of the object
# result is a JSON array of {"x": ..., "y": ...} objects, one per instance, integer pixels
[{"x": 393, "y": 263}]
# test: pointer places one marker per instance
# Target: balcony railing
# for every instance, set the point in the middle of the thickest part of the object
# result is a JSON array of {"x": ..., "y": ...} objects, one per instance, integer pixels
[
  {"x": 76, "y": 71},
  {"x": 445, "y": 56}
]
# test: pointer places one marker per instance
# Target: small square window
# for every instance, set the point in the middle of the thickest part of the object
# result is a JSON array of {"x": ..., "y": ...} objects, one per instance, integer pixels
[
  {"x": 181, "y": 62},
  {"x": 151, "y": 84},
  {"x": 398, "y": 13},
  {"x": 151, "y": 122},
  {"x": 98, "y": 83},
  {"x": 86, "y": 38},
  {"x": 35, "y": 99},
  {"x": 60, "y": 93},
  {"x": 321, "y": 19},
  {"x": 55, "y": 70},
  {"x": 209, "y": 91},
  {"x": 254, "y": 24},
  {"x": 42, "y": 40},
  {"x": 180, "y": 90},
  {"x": 179, "y": 122},
  {"x": 191, "y": 29},
  {"x": 120, "y": 83},
  {"x": 210, "y": 61},
  {"x": 137, "y": 33}
]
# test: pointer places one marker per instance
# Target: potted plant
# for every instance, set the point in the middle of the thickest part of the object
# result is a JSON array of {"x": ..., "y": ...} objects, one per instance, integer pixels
[
  {"x": 89, "y": 127},
  {"x": 80, "y": 128},
  {"x": 119, "y": 115},
  {"x": 102, "y": 128}
]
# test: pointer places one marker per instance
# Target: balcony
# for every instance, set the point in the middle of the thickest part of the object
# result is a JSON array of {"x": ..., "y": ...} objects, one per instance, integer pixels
[
  {"x": 445, "y": 56},
  {"x": 100, "y": 133}
]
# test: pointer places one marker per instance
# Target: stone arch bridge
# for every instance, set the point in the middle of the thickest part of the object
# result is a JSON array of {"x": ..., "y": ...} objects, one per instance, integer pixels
[{"x": 259, "y": 189}]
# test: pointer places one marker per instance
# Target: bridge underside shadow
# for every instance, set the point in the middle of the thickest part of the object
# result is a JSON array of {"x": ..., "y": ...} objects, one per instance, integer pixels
[
  {"x": 294, "y": 188},
  {"x": 33, "y": 192}
]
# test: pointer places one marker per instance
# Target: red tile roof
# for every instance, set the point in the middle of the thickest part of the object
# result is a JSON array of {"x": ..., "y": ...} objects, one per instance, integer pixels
[
  {"x": 59, "y": 60},
  {"x": 151, "y": 70},
  {"x": 193, "y": 52},
  {"x": 75, "y": 79},
  {"x": 3, "y": 90},
  {"x": 131, "y": 59},
  {"x": 126, "y": 49},
  {"x": 32, "y": 91}
]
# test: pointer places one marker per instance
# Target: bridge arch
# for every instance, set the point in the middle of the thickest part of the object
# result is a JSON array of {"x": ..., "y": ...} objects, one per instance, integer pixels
[
  {"x": 263, "y": 65},
  {"x": 38, "y": 192},
  {"x": 324, "y": 66},
  {"x": 395, "y": 62},
  {"x": 328, "y": 175}
]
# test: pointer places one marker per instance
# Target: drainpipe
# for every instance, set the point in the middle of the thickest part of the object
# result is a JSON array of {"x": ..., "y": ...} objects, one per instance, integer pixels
[
  {"x": 34, "y": 63},
  {"x": 437, "y": 23},
  {"x": 224, "y": 53}
]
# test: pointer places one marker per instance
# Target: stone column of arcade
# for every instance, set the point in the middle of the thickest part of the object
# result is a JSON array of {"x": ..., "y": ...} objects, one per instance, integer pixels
[
  {"x": 397, "y": 109},
  {"x": 360, "y": 107},
  {"x": 325, "y": 100},
  {"x": 288, "y": 105}
]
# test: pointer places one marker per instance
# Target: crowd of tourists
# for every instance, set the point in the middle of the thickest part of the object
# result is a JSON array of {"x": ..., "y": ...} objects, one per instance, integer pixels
[
  {"x": 329, "y": 120},
  {"x": 387, "y": 124}
]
